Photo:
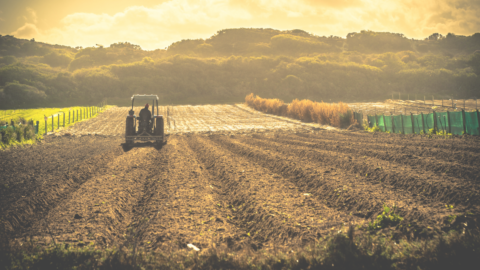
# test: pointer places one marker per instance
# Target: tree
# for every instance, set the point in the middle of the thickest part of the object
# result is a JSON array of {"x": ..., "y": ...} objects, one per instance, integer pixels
[
  {"x": 23, "y": 95},
  {"x": 474, "y": 62}
]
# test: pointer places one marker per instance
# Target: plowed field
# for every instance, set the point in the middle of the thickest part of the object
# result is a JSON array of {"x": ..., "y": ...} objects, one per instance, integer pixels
[{"x": 218, "y": 181}]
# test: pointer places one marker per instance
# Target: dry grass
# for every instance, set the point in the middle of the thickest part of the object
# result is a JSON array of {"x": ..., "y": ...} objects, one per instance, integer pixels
[{"x": 337, "y": 115}]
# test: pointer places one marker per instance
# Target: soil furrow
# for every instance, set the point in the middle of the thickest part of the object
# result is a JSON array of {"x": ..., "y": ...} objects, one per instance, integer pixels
[
  {"x": 190, "y": 210},
  {"x": 55, "y": 180},
  {"x": 463, "y": 149},
  {"x": 100, "y": 210},
  {"x": 441, "y": 188},
  {"x": 266, "y": 204},
  {"x": 438, "y": 162},
  {"x": 340, "y": 189}
]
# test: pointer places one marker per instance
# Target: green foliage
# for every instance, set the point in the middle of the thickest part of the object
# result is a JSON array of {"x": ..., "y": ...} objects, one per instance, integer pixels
[
  {"x": 21, "y": 94},
  {"x": 8, "y": 60},
  {"x": 385, "y": 219},
  {"x": 374, "y": 129},
  {"x": 8, "y": 135},
  {"x": 235, "y": 62},
  {"x": 55, "y": 59}
]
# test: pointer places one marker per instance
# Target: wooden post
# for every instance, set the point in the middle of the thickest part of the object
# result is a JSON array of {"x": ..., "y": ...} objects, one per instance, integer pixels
[
  {"x": 478, "y": 120},
  {"x": 434, "y": 121},
  {"x": 403, "y": 126},
  {"x": 464, "y": 123},
  {"x": 393, "y": 124},
  {"x": 46, "y": 125},
  {"x": 52, "y": 124},
  {"x": 449, "y": 125},
  {"x": 413, "y": 124},
  {"x": 38, "y": 127},
  {"x": 384, "y": 124},
  {"x": 423, "y": 124}
]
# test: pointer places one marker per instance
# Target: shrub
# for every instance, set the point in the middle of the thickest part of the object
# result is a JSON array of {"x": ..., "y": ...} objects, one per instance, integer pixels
[
  {"x": 8, "y": 135},
  {"x": 385, "y": 219},
  {"x": 337, "y": 115},
  {"x": 19, "y": 133},
  {"x": 28, "y": 132}
]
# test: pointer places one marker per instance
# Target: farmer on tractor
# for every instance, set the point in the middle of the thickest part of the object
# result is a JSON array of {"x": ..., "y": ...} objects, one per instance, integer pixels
[
  {"x": 150, "y": 125},
  {"x": 145, "y": 117}
]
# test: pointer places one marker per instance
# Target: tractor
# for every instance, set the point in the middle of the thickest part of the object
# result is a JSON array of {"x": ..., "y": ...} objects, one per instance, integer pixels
[{"x": 146, "y": 126}]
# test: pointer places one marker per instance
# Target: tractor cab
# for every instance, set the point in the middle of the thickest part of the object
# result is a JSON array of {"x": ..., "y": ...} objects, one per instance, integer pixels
[{"x": 148, "y": 126}]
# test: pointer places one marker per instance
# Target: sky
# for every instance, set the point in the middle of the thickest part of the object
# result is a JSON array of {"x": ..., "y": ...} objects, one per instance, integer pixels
[{"x": 155, "y": 24}]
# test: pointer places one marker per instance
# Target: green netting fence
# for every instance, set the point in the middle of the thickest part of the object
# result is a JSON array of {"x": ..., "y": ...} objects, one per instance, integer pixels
[{"x": 456, "y": 123}]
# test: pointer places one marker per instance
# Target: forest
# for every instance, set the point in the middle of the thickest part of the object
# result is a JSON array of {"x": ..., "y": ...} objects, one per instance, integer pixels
[{"x": 294, "y": 64}]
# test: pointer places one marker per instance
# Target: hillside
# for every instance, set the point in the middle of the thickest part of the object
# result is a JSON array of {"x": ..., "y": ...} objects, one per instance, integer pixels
[{"x": 235, "y": 62}]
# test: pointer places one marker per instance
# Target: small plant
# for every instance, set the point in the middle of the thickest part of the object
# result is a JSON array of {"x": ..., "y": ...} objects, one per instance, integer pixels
[
  {"x": 374, "y": 129},
  {"x": 449, "y": 206},
  {"x": 385, "y": 219},
  {"x": 451, "y": 218}
]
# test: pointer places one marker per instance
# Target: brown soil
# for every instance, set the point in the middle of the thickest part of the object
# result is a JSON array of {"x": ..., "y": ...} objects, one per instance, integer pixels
[{"x": 282, "y": 188}]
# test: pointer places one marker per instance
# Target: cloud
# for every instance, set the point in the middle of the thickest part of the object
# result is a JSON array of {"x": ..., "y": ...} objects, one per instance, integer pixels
[
  {"x": 32, "y": 15},
  {"x": 174, "y": 20},
  {"x": 28, "y": 31}
]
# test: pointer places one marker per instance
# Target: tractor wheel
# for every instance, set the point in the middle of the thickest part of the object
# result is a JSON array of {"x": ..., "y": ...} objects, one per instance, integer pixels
[
  {"x": 129, "y": 129},
  {"x": 159, "y": 128}
]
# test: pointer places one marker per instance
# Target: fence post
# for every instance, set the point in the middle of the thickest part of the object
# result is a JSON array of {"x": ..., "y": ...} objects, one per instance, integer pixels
[
  {"x": 393, "y": 124},
  {"x": 423, "y": 124},
  {"x": 464, "y": 123},
  {"x": 478, "y": 120},
  {"x": 413, "y": 127},
  {"x": 403, "y": 126},
  {"x": 434, "y": 121},
  {"x": 46, "y": 125},
  {"x": 37, "y": 128},
  {"x": 69, "y": 117},
  {"x": 384, "y": 124},
  {"x": 53, "y": 126},
  {"x": 448, "y": 119}
]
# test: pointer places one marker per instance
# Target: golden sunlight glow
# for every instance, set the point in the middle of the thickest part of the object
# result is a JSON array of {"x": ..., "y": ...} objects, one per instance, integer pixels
[{"x": 156, "y": 24}]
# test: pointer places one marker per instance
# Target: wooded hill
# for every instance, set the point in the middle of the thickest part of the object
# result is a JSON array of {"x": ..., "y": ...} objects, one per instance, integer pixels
[{"x": 235, "y": 62}]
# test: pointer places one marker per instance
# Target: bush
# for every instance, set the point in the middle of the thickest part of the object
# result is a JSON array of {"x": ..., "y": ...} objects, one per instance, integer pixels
[
  {"x": 19, "y": 133},
  {"x": 337, "y": 115},
  {"x": 8, "y": 135},
  {"x": 28, "y": 132}
]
